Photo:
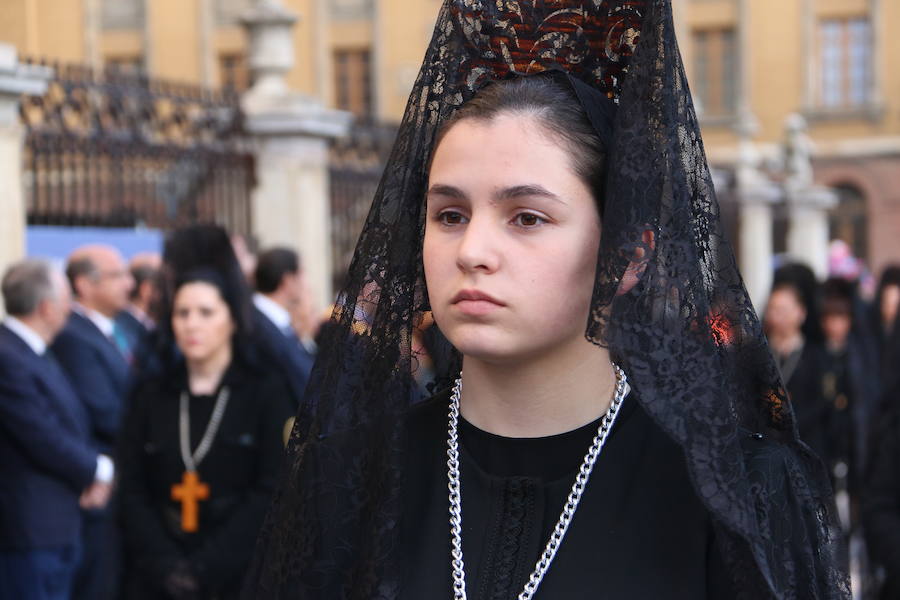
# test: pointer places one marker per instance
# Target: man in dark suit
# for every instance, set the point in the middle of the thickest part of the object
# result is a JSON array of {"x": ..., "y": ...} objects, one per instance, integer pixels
[
  {"x": 95, "y": 354},
  {"x": 279, "y": 292},
  {"x": 135, "y": 320},
  {"x": 49, "y": 466},
  {"x": 92, "y": 349}
]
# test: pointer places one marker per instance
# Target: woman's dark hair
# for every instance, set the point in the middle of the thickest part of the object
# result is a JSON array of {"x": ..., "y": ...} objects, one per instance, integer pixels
[
  {"x": 558, "y": 111},
  {"x": 890, "y": 276},
  {"x": 789, "y": 286},
  {"x": 228, "y": 293},
  {"x": 199, "y": 253},
  {"x": 792, "y": 287},
  {"x": 802, "y": 279},
  {"x": 206, "y": 248},
  {"x": 209, "y": 277},
  {"x": 838, "y": 297},
  {"x": 887, "y": 335}
]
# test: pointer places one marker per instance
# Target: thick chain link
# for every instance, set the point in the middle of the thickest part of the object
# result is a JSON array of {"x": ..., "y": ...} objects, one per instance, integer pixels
[
  {"x": 562, "y": 525},
  {"x": 192, "y": 461}
]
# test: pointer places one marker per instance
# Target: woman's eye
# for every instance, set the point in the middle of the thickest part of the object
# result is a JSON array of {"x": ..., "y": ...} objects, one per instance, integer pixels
[
  {"x": 451, "y": 217},
  {"x": 528, "y": 220}
]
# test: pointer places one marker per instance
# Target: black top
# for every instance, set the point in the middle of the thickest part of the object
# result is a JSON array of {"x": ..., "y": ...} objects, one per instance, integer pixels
[
  {"x": 881, "y": 496},
  {"x": 639, "y": 532},
  {"x": 240, "y": 470},
  {"x": 803, "y": 372}
]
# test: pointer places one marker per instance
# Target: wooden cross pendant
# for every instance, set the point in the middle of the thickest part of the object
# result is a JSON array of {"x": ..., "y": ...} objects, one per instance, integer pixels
[{"x": 189, "y": 492}]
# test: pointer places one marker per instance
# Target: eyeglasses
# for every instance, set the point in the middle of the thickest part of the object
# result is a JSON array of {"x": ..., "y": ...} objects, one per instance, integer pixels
[{"x": 116, "y": 274}]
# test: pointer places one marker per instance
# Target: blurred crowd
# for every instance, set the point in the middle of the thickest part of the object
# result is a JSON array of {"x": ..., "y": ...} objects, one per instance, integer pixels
[
  {"x": 144, "y": 407},
  {"x": 838, "y": 349}
]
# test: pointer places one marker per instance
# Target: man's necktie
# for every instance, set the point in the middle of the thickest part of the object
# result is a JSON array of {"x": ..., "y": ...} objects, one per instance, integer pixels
[{"x": 121, "y": 342}]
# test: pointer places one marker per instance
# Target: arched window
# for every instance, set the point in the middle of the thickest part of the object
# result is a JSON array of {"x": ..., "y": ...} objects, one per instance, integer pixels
[{"x": 848, "y": 220}]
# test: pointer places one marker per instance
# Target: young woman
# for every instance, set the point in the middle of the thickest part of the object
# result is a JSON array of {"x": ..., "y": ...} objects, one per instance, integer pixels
[
  {"x": 802, "y": 363},
  {"x": 200, "y": 452},
  {"x": 615, "y": 426},
  {"x": 886, "y": 325},
  {"x": 511, "y": 238}
]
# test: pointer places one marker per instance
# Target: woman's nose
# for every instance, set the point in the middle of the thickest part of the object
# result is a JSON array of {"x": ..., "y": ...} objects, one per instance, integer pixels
[{"x": 478, "y": 248}]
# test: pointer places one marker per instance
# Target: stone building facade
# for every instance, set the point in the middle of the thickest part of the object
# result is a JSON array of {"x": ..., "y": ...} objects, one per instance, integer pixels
[{"x": 834, "y": 62}]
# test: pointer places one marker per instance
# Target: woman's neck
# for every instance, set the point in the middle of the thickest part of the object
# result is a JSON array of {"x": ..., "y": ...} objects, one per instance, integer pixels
[
  {"x": 786, "y": 343},
  {"x": 538, "y": 397},
  {"x": 204, "y": 375}
]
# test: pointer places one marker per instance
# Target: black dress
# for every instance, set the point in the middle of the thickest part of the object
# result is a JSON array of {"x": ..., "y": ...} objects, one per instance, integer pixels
[
  {"x": 803, "y": 372},
  {"x": 639, "y": 532},
  {"x": 240, "y": 469}
]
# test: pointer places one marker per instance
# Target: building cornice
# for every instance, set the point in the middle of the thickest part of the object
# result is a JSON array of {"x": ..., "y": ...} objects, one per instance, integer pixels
[{"x": 864, "y": 147}]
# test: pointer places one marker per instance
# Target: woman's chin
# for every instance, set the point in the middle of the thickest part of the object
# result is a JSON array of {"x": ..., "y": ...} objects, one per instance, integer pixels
[
  {"x": 195, "y": 355},
  {"x": 485, "y": 349}
]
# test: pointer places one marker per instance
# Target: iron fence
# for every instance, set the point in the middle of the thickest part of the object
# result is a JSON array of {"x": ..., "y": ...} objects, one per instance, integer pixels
[
  {"x": 117, "y": 149},
  {"x": 356, "y": 164}
]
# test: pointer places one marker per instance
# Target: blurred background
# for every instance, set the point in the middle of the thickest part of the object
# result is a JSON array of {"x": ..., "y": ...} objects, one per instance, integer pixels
[
  {"x": 273, "y": 118},
  {"x": 131, "y": 122}
]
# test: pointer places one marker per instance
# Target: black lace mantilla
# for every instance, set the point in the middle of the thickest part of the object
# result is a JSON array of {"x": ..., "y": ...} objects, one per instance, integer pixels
[{"x": 687, "y": 334}]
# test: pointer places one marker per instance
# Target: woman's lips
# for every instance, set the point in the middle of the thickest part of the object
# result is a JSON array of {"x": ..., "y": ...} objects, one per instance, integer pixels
[{"x": 475, "y": 303}]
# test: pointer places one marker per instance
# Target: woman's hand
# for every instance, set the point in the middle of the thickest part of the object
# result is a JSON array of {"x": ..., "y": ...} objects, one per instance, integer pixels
[{"x": 181, "y": 583}]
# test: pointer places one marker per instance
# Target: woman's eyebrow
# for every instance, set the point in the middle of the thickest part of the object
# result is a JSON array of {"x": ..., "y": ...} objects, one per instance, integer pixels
[
  {"x": 500, "y": 195},
  {"x": 441, "y": 189},
  {"x": 530, "y": 190}
]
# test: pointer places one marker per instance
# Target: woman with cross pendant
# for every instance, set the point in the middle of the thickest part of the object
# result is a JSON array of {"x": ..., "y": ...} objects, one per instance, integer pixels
[{"x": 200, "y": 451}]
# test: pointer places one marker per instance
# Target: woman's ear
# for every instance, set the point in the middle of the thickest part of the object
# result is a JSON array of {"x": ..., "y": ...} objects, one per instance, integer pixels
[{"x": 638, "y": 262}]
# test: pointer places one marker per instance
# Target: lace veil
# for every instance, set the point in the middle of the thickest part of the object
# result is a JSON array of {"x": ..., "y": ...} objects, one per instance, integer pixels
[{"x": 687, "y": 334}]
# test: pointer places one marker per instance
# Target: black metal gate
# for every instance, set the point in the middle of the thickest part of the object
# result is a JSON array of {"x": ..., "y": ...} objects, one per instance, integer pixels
[
  {"x": 356, "y": 164},
  {"x": 115, "y": 149}
]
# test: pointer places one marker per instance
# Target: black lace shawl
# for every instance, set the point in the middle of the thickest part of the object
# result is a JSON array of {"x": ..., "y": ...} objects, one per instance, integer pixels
[{"x": 687, "y": 334}]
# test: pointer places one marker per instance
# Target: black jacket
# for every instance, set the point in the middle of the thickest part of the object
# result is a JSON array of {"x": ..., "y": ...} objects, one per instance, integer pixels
[
  {"x": 240, "y": 470},
  {"x": 98, "y": 371},
  {"x": 45, "y": 455}
]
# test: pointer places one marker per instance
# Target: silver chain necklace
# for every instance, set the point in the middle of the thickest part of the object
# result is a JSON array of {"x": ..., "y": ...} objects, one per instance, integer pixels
[
  {"x": 191, "y": 461},
  {"x": 456, "y": 554}
]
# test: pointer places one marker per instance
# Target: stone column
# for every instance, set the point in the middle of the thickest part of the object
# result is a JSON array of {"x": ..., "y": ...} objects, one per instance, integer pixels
[
  {"x": 93, "y": 26},
  {"x": 291, "y": 204},
  {"x": 756, "y": 195},
  {"x": 756, "y": 242},
  {"x": 744, "y": 106},
  {"x": 15, "y": 79},
  {"x": 322, "y": 45},
  {"x": 807, "y": 238},
  {"x": 808, "y": 204},
  {"x": 205, "y": 46},
  {"x": 147, "y": 34}
]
